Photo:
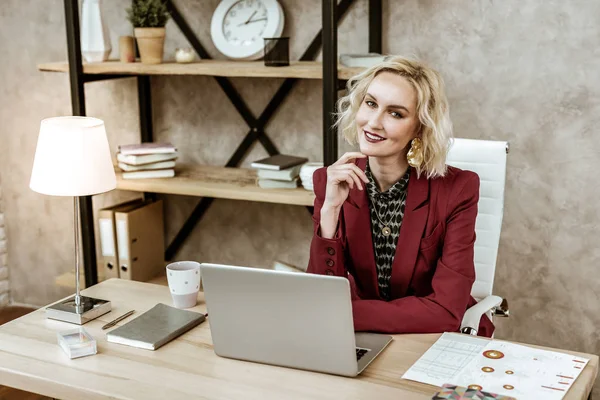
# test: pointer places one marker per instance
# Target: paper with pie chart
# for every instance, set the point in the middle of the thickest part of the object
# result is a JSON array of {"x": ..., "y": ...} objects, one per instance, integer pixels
[
  {"x": 442, "y": 362},
  {"x": 520, "y": 371}
]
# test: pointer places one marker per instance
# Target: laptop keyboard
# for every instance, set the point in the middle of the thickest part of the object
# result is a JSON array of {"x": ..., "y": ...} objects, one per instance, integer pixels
[{"x": 360, "y": 353}]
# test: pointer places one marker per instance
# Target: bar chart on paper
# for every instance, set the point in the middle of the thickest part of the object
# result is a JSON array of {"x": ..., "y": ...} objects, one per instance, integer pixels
[{"x": 445, "y": 359}]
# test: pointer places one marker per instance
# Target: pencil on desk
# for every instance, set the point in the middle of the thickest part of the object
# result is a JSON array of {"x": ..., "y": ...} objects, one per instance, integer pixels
[{"x": 115, "y": 321}]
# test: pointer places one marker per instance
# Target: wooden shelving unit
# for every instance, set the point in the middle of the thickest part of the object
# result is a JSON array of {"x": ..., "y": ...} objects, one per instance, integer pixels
[
  {"x": 217, "y": 182},
  {"x": 246, "y": 69},
  {"x": 228, "y": 182},
  {"x": 209, "y": 181}
]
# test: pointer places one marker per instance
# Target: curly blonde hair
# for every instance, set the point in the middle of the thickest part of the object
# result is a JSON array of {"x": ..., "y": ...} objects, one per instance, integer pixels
[{"x": 432, "y": 109}]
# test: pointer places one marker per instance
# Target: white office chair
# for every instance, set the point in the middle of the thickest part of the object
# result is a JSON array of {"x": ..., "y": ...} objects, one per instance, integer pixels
[{"x": 488, "y": 160}]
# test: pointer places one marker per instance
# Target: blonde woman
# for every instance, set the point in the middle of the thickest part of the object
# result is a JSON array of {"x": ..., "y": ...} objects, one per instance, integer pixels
[{"x": 393, "y": 218}]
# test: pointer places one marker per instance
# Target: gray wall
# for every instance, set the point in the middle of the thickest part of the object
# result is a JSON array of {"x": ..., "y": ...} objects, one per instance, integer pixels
[{"x": 525, "y": 72}]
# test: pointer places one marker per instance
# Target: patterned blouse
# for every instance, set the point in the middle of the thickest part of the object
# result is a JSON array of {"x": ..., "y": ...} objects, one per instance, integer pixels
[{"x": 387, "y": 213}]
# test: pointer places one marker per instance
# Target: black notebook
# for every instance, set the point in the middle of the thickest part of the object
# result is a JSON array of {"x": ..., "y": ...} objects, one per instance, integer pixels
[
  {"x": 155, "y": 327},
  {"x": 279, "y": 161}
]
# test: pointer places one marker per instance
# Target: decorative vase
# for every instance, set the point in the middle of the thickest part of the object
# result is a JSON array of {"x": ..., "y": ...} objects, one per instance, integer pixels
[
  {"x": 95, "y": 39},
  {"x": 184, "y": 55},
  {"x": 150, "y": 44}
]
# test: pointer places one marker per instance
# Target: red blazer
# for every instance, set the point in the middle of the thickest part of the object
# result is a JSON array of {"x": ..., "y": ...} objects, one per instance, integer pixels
[{"x": 433, "y": 268}]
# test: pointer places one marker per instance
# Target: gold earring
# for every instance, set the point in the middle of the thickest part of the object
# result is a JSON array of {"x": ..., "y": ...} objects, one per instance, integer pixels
[{"x": 415, "y": 153}]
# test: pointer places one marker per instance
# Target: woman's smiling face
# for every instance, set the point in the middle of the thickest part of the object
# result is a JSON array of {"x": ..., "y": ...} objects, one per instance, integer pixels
[{"x": 387, "y": 119}]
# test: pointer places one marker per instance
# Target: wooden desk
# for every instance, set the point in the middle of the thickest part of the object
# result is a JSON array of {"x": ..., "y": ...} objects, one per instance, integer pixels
[{"x": 31, "y": 360}]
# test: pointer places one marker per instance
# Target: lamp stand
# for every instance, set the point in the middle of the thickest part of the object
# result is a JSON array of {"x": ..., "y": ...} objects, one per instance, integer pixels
[{"x": 78, "y": 309}]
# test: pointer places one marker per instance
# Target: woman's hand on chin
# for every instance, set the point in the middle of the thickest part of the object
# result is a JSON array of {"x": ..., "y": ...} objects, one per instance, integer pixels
[{"x": 342, "y": 176}]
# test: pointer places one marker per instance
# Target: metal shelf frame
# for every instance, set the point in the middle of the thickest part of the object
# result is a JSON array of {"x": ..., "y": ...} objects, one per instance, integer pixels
[{"x": 332, "y": 13}]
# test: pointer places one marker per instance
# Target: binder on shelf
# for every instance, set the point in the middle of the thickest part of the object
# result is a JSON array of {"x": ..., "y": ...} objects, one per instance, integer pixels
[
  {"x": 140, "y": 241},
  {"x": 108, "y": 258}
]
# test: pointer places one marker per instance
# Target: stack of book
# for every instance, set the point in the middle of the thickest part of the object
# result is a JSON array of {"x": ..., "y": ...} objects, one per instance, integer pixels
[
  {"x": 279, "y": 172},
  {"x": 147, "y": 160}
]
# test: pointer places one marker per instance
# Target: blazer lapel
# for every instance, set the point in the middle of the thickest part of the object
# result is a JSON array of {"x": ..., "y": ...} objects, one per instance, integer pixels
[
  {"x": 357, "y": 219},
  {"x": 411, "y": 232}
]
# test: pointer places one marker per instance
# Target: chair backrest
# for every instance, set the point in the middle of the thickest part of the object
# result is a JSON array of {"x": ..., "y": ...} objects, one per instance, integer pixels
[{"x": 487, "y": 159}]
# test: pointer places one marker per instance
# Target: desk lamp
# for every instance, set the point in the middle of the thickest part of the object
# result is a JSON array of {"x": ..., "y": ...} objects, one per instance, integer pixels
[{"x": 73, "y": 159}]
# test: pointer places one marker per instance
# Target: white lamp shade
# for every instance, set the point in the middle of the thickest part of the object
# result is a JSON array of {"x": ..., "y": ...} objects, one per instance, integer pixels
[{"x": 72, "y": 158}]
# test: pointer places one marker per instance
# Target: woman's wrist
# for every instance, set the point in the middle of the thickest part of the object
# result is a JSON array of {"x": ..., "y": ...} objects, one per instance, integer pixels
[
  {"x": 329, "y": 221},
  {"x": 327, "y": 206}
]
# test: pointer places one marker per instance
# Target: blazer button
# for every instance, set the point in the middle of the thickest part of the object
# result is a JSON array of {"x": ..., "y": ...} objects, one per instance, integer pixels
[
  {"x": 328, "y": 272},
  {"x": 330, "y": 251},
  {"x": 330, "y": 263}
]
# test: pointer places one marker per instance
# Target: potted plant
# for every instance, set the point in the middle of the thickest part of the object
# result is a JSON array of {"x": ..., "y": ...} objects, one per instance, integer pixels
[{"x": 149, "y": 18}]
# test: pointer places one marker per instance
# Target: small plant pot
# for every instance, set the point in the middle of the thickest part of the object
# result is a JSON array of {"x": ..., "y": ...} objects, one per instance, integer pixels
[{"x": 150, "y": 43}]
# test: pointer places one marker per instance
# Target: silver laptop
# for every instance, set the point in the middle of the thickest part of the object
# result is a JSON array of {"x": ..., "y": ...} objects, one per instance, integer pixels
[{"x": 285, "y": 318}]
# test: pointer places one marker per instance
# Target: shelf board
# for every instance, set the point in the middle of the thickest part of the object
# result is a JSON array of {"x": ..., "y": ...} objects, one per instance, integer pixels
[
  {"x": 67, "y": 280},
  {"x": 217, "y": 182},
  {"x": 256, "y": 69}
]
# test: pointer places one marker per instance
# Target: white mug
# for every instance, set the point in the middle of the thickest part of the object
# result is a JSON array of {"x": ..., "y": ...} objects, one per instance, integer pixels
[{"x": 184, "y": 283}]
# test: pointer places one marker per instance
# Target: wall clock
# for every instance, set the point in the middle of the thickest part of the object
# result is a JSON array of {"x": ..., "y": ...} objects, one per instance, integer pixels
[{"x": 239, "y": 26}]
